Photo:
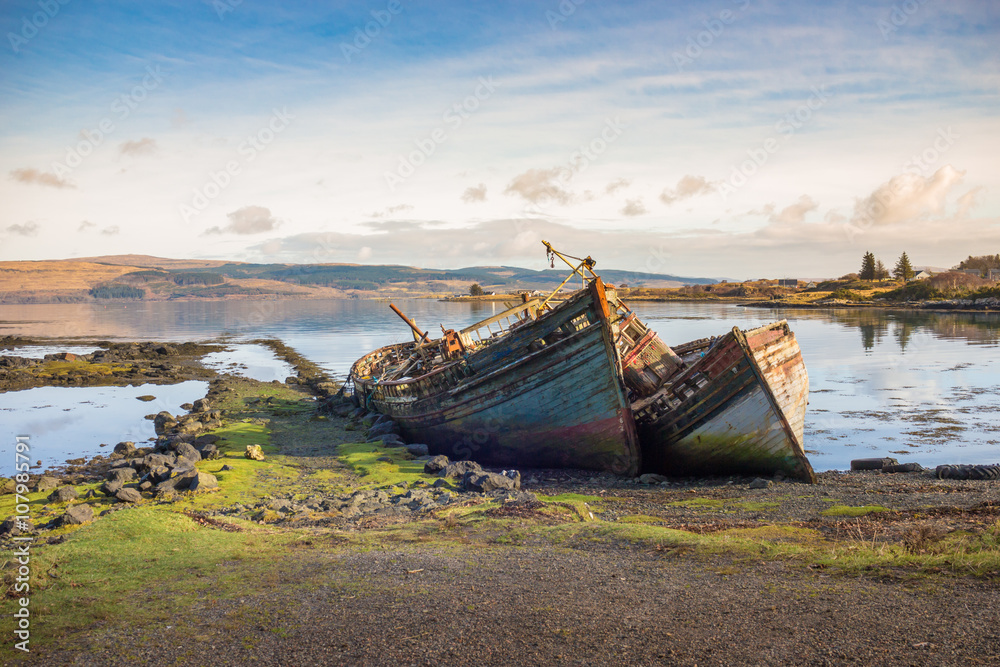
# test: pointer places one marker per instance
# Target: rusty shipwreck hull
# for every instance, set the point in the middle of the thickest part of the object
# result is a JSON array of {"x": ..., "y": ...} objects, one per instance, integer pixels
[
  {"x": 547, "y": 393},
  {"x": 738, "y": 407}
]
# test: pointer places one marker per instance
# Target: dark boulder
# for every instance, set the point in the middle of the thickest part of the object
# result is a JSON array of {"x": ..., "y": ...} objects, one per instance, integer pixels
[
  {"x": 77, "y": 514},
  {"x": 383, "y": 428},
  {"x": 392, "y": 440},
  {"x": 436, "y": 464},
  {"x": 46, "y": 483},
  {"x": 126, "y": 449},
  {"x": 163, "y": 421},
  {"x": 201, "y": 405},
  {"x": 209, "y": 452},
  {"x": 179, "y": 480},
  {"x": 123, "y": 475},
  {"x": 484, "y": 482},
  {"x": 14, "y": 526},
  {"x": 203, "y": 481},
  {"x": 187, "y": 450},
  {"x": 126, "y": 495},
  {"x": 458, "y": 469},
  {"x": 417, "y": 449},
  {"x": 63, "y": 494},
  {"x": 111, "y": 487}
]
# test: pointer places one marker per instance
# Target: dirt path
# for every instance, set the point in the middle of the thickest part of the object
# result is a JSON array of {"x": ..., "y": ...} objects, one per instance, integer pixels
[{"x": 579, "y": 606}]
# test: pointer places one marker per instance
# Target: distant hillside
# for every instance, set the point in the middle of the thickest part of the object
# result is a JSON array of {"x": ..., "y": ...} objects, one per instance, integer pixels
[{"x": 156, "y": 279}]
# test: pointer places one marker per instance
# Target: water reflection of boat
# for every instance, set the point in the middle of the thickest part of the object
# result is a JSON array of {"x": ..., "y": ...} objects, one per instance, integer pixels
[{"x": 535, "y": 385}]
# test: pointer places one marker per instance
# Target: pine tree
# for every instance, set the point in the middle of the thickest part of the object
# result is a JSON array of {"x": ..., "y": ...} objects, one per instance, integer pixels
[
  {"x": 903, "y": 270},
  {"x": 881, "y": 273},
  {"x": 475, "y": 290},
  {"x": 867, "y": 271}
]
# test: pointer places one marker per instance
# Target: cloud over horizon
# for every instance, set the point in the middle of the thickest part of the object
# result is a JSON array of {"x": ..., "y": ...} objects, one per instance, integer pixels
[
  {"x": 27, "y": 229},
  {"x": 539, "y": 186},
  {"x": 34, "y": 176},
  {"x": 144, "y": 146},
  {"x": 248, "y": 220},
  {"x": 474, "y": 194},
  {"x": 689, "y": 186},
  {"x": 907, "y": 196}
]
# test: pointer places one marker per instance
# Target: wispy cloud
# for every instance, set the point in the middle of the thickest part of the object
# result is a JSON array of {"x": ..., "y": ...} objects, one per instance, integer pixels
[
  {"x": 144, "y": 146},
  {"x": 392, "y": 210},
  {"x": 687, "y": 187},
  {"x": 474, "y": 194},
  {"x": 795, "y": 213},
  {"x": 85, "y": 226},
  {"x": 633, "y": 207},
  {"x": 248, "y": 220},
  {"x": 907, "y": 196},
  {"x": 34, "y": 176},
  {"x": 616, "y": 185},
  {"x": 27, "y": 229},
  {"x": 540, "y": 185},
  {"x": 111, "y": 230}
]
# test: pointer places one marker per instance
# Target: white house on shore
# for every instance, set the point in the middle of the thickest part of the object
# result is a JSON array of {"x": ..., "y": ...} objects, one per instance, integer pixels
[{"x": 922, "y": 275}]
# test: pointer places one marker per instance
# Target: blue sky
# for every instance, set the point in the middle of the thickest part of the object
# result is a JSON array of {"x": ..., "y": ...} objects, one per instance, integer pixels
[{"x": 728, "y": 139}]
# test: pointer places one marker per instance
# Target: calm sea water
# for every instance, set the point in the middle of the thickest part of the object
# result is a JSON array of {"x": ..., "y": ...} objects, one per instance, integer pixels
[{"x": 917, "y": 386}]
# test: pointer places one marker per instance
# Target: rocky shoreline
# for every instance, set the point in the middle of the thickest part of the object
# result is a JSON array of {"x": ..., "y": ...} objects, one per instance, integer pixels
[
  {"x": 115, "y": 364},
  {"x": 278, "y": 521},
  {"x": 988, "y": 304}
]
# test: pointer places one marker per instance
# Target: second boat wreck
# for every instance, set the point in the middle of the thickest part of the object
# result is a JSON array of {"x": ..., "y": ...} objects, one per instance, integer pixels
[{"x": 584, "y": 383}]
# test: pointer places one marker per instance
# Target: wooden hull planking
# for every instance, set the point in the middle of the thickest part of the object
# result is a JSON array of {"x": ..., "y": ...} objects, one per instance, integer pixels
[
  {"x": 563, "y": 405},
  {"x": 738, "y": 409}
]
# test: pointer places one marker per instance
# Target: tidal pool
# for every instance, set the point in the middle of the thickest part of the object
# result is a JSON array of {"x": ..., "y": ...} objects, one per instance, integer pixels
[{"x": 63, "y": 423}]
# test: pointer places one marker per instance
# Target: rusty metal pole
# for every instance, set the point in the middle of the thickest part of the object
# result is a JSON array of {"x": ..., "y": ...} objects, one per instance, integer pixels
[{"x": 417, "y": 333}]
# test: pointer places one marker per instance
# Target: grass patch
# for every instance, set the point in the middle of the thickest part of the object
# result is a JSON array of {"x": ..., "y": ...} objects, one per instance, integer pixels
[
  {"x": 151, "y": 554},
  {"x": 362, "y": 457},
  {"x": 847, "y": 510}
]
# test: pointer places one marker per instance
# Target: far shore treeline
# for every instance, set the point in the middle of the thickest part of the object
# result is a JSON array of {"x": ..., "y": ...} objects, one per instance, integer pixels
[{"x": 139, "y": 277}]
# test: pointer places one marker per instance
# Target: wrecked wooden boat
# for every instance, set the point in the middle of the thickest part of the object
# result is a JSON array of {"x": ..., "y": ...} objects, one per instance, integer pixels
[
  {"x": 733, "y": 404},
  {"x": 537, "y": 385}
]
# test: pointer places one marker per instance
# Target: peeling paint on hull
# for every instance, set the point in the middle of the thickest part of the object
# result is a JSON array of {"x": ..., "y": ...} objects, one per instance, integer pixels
[
  {"x": 740, "y": 408},
  {"x": 563, "y": 405}
]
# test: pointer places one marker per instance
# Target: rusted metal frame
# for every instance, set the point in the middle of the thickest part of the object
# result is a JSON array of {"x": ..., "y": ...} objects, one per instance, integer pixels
[
  {"x": 417, "y": 333},
  {"x": 797, "y": 446}
]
